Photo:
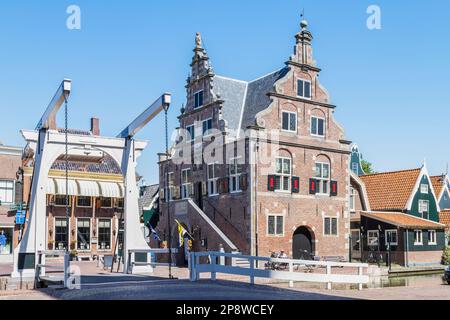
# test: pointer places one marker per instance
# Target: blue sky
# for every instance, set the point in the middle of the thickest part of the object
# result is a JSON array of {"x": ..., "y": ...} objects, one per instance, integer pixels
[{"x": 390, "y": 85}]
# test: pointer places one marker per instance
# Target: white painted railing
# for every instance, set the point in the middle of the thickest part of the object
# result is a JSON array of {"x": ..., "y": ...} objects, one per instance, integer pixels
[{"x": 196, "y": 268}]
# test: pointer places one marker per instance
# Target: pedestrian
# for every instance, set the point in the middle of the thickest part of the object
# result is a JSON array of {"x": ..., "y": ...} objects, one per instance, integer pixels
[{"x": 2, "y": 241}]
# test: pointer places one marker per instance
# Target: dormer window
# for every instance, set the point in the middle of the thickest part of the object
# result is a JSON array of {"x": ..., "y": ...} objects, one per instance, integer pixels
[
  {"x": 198, "y": 99},
  {"x": 304, "y": 89}
]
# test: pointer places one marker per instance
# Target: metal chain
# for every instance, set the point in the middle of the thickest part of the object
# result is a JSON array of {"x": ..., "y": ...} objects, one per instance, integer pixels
[
  {"x": 67, "y": 170},
  {"x": 166, "y": 195}
]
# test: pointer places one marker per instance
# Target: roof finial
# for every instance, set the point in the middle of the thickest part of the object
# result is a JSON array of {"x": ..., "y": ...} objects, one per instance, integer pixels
[
  {"x": 198, "y": 40},
  {"x": 424, "y": 162},
  {"x": 303, "y": 22}
]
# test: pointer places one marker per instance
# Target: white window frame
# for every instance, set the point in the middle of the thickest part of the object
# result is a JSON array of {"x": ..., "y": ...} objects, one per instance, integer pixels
[
  {"x": 290, "y": 114},
  {"x": 205, "y": 133},
  {"x": 325, "y": 234},
  {"x": 186, "y": 184},
  {"x": 424, "y": 189},
  {"x": 321, "y": 179},
  {"x": 422, "y": 202},
  {"x": 190, "y": 137},
  {"x": 377, "y": 232},
  {"x": 110, "y": 235},
  {"x": 90, "y": 235},
  {"x": 78, "y": 206},
  {"x": 13, "y": 191},
  {"x": 283, "y": 175},
  {"x": 170, "y": 186},
  {"x": 416, "y": 242},
  {"x": 434, "y": 242},
  {"x": 195, "y": 99},
  {"x": 276, "y": 216},
  {"x": 54, "y": 233},
  {"x": 386, "y": 236},
  {"x": 310, "y": 89},
  {"x": 212, "y": 181},
  {"x": 317, "y": 127},
  {"x": 234, "y": 162},
  {"x": 352, "y": 200}
]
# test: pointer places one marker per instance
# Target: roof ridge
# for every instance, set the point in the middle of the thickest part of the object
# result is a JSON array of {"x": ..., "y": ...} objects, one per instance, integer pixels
[
  {"x": 389, "y": 172},
  {"x": 266, "y": 75}
]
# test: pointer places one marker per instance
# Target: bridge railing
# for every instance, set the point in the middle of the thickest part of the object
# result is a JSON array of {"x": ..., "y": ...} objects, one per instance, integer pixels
[{"x": 196, "y": 268}]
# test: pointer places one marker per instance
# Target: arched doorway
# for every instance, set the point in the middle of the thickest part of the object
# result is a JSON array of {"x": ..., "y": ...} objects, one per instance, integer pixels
[{"x": 302, "y": 244}]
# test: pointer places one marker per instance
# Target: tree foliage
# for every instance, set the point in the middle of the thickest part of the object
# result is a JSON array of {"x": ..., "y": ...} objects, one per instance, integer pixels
[{"x": 367, "y": 167}]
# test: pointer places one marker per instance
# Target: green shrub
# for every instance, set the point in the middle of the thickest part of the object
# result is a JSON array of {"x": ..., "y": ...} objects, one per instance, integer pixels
[{"x": 446, "y": 256}]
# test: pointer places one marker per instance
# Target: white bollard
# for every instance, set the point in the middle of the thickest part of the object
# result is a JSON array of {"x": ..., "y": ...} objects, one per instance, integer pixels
[{"x": 222, "y": 258}]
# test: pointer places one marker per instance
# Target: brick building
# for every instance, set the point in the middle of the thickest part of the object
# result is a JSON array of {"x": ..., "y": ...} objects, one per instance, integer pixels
[
  {"x": 95, "y": 188},
  {"x": 258, "y": 166},
  {"x": 10, "y": 195}
]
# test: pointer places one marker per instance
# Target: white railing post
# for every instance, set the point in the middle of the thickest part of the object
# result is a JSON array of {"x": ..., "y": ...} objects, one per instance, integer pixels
[
  {"x": 360, "y": 273},
  {"x": 328, "y": 273},
  {"x": 197, "y": 263},
  {"x": 291, "y": 270},
  {"x": 213, "y": 259},
  {"x": 252, "y": 270},
  {"x": 66, "y": 270}
]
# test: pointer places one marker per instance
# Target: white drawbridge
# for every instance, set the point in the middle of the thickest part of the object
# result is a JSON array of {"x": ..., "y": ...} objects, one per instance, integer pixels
[{"x": 48, "y": 144}]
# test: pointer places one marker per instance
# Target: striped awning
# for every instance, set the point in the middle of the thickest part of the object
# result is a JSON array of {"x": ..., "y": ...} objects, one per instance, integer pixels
[
  {"x": 88, "y": 188},
  {"x": 111, "y": 189},
  {"x": 61, "y": 187},
  {"x": 85, "y": 188}
]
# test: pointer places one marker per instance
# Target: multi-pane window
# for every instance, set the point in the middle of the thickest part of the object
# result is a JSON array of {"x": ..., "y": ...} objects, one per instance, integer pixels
[
  {"x": 304, "y": 89},
  {"x": 235, "y": 175},
  {"x": 171, "y": 186},
  {"x": 289, "y": 121},
  {"x": 60, "y": 200},
  {"x": 283, "y": 170},
  {"x": 391, "y": 237},
  {"x": 212, "y": 179},
  {"x": 372, "y": 238},
  {"x": 317, "y": 126},
  {"x": 424, "y": 207},
  {"x": 104, "y": 234},
  {"x": 432, "y": 237},
  {"x": 186, "y": 184},
  {"x": 198, "y": 99},
  {"x": 330, "y": 226},
  {"x": 418, "y": 239},
  {"x": 322, "y": 175},
  {"x": 207, "y": 125},
  {"x": 190, "y": 132},
  {"x": 61, "y": 235},
  {"x": 356, "y": 242},
  {"x": 424, "y": 188},
  {"x": 84, "y": 201},
  {"x": 84, "y": 234},
  {"x": 352, "y": 200},
  {"x": 6, "y": 191},
  {"x": 106, "y": 202},
  {"x": 275, "y": 225}
]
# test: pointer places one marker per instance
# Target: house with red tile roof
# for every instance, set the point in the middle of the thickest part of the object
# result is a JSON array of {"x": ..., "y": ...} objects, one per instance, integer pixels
[
  {"x": 395, "y": 216},
  {"x": 441, "y": 185}
]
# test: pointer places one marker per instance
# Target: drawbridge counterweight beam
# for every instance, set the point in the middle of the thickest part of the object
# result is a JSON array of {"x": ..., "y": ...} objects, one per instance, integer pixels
[{"x": 61, "y": 94}]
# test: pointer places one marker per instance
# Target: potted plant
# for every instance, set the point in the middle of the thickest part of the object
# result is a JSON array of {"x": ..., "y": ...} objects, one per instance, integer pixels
[{"x": 73, "y": 255}]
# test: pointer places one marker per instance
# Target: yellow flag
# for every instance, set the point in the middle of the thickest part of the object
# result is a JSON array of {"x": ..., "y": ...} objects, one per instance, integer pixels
[{"x": 181, "y": 233}]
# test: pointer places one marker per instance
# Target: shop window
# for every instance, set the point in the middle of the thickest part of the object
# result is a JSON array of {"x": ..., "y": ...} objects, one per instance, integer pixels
[
  {"x": 104, "y": 234},
  {"x": 84, "y": 202},
  {"x": 84, "y": 234},
  {"x": 61, "y": 234}
]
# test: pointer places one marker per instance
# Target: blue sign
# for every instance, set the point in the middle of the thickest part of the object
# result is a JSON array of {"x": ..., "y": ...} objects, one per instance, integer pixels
[{"x": 20, "y": 216}]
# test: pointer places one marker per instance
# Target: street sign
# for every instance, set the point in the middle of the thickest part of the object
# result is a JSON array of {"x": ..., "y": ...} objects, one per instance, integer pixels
[{"x": 20, "y": 216}]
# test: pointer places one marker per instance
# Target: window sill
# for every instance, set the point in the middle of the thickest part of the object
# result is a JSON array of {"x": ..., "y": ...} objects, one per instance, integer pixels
[
  {"x": 317, "y": 136},
  {"x": 418, "y": 244},
  {"x": 289, "y": 132},
  {"x": 236, "y": 192},
  {"x": 275, "y": 235}
]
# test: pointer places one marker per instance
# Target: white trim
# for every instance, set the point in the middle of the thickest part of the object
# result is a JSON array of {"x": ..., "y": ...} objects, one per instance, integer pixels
[
  {"x": 237, "y": 176},
  {"x": 423, "y": 171},
  {"x": 386, "y": 237},
  {"x": 432, "y": 243},
  {"x": 186, "y": 185},
  {"x": 289, "y": 121},
  {"x": 54, "y": 233},
  {"x": 13, "y": 190},
  {"x": 324, "y": 127},
  {"x": 424, "y": 188},
  {"x": 90, "y": 234},
  {"x": 276, "y": 235},
  {"x": 282, "y": 174},
  {"x": 378, "y": 238},
  {"x": 214, "y": 180},
  {"x": 364, "y": 197},
  {"x": 110, "y": 235},
  {"x": 310, "y": 89},
  {"x": 337, "y": 227},
  {"x": 416, "y": 243},
  {"x": 320, "y": 193}
]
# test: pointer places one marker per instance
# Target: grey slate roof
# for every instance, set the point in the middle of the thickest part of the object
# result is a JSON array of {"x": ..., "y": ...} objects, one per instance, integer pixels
[
  {"x": 148, "y": 194},
  {"x": 243, "y": 100}
]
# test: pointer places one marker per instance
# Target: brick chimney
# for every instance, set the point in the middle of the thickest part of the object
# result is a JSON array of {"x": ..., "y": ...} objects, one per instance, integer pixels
[{"x": 95, "y": 126}]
